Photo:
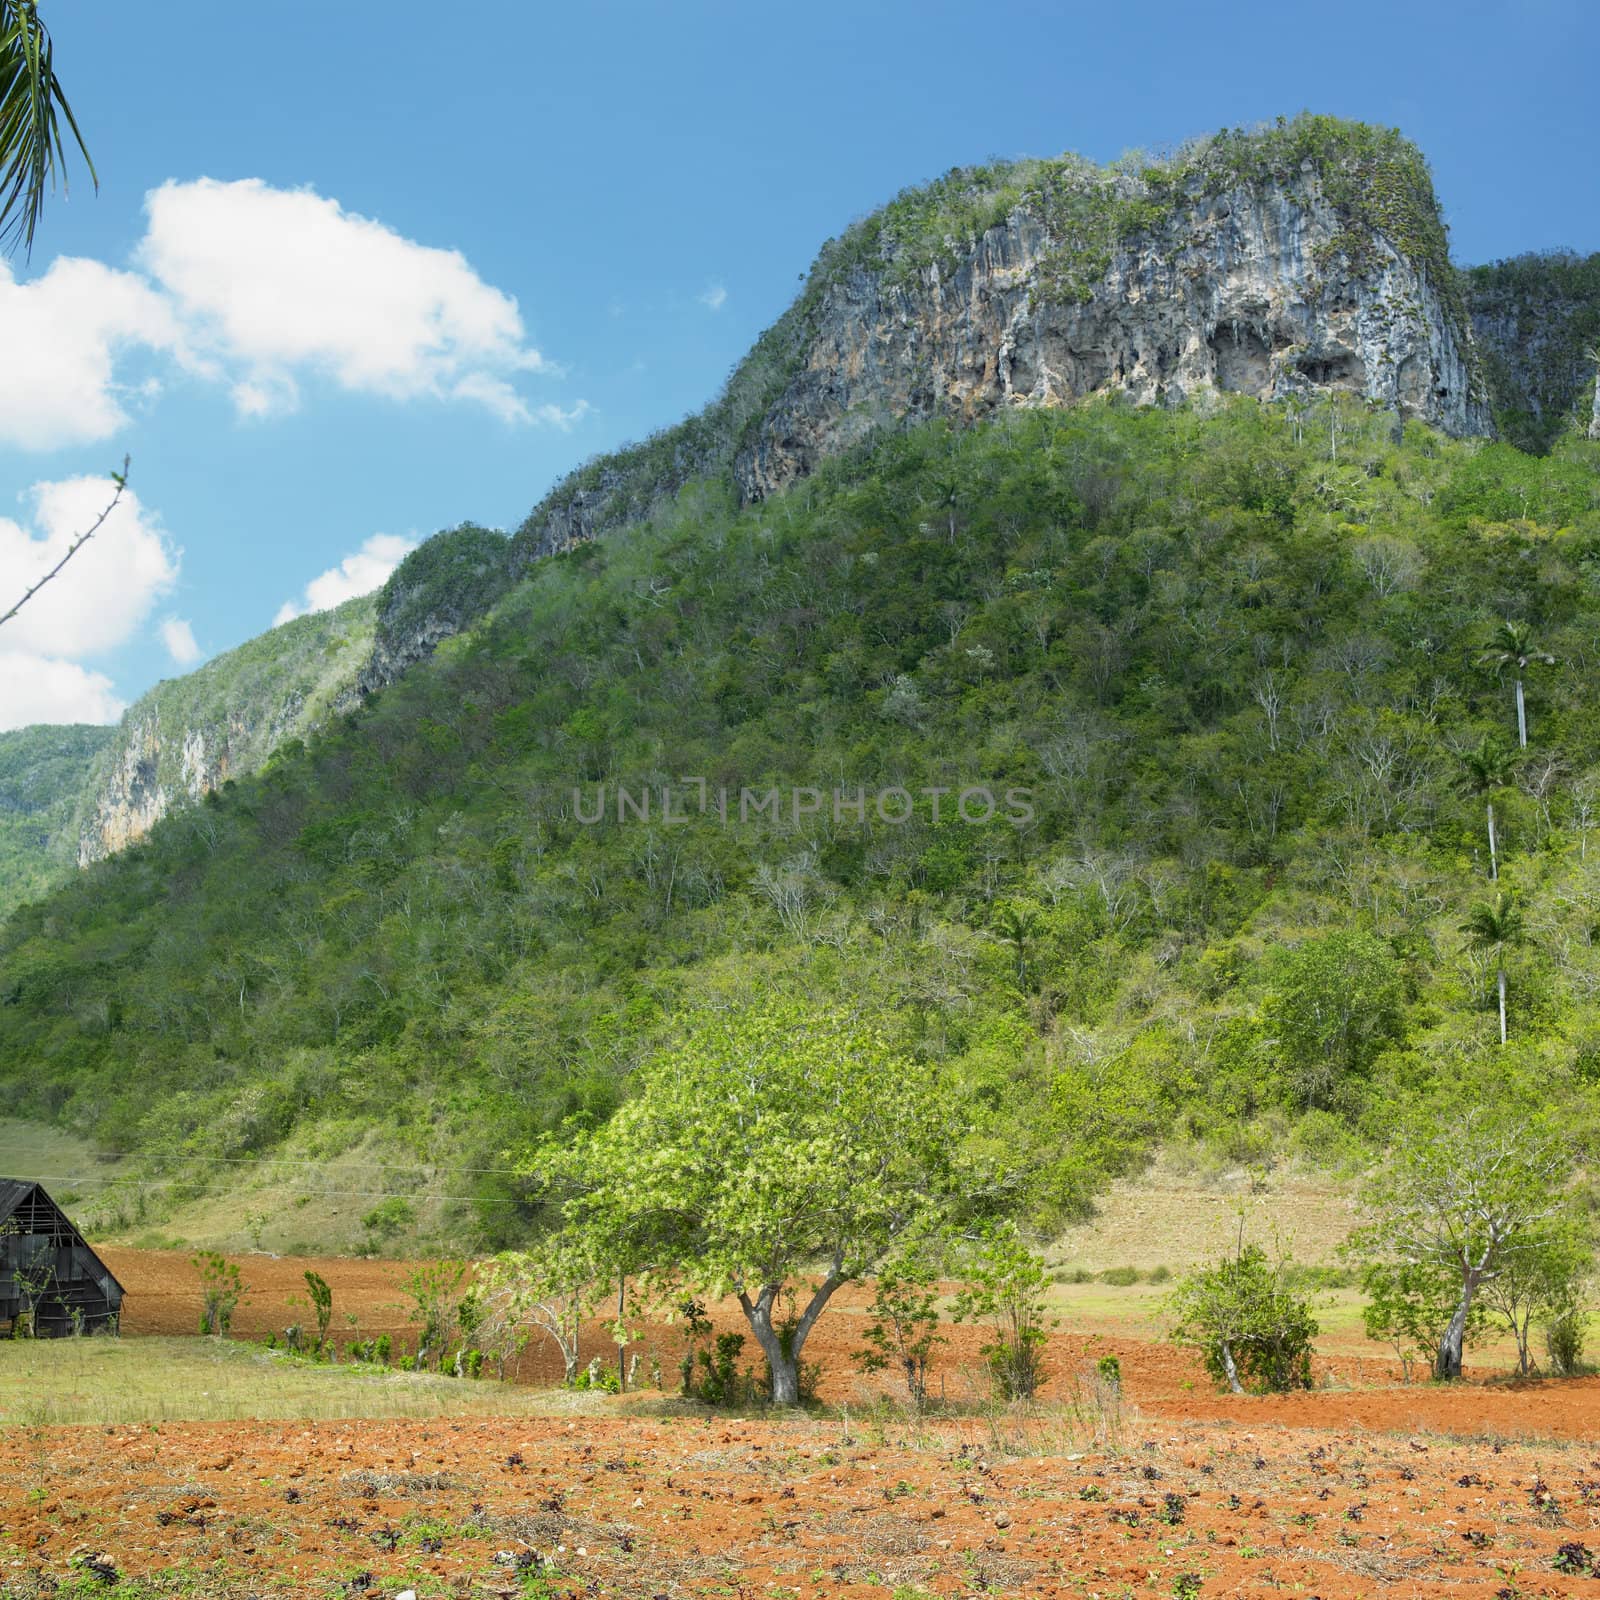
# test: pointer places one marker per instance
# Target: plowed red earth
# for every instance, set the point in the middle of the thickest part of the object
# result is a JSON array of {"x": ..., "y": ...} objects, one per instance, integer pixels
[{"x": 1482, "y": 1489}]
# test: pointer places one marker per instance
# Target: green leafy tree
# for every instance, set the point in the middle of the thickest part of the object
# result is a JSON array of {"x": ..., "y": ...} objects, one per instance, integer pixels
[
  {"x": 1253, "y": 1332},
  {"x": 1515, "y": 649},
  {"x": 1542, "y": 1284},
  {"x": 1333, "y": 1002},
  {"x": 546, "y": 1293},
  {"x": 1409, "y": 1307},
  {"x": 1006, "y": 1283},
  {"x": 436, "y": 1292},
  {"x": 321, "y": 1297},
  {"x": 773, "y": 1137},
  {"x": 33, "y": 114},
  {"x": 1463, "y": 1192},
  {"x": 1495, "y": 929},
  {"x": 1485, "y": 771}
]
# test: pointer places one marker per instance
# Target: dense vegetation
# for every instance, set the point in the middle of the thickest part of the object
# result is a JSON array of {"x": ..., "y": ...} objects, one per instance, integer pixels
[
  {"x": 276, "y": 686},
  {"x": 1377, "y": 181},
  {"x": 1238, "y": 661},
  {"x": 43, "y": 774}
]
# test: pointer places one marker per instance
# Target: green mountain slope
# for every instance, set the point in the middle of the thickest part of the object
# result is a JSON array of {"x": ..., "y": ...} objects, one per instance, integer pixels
[
  {"x": 1234, "y": 659},
  {"x": 78, "y": 794},
  {"x": 44, "y": 774}
]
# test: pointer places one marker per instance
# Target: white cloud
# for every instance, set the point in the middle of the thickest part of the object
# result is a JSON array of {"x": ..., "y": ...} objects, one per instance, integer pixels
[
  {"x": 98, "y": 601},
  {"x": 262, "y": 290},
  {"x": 715, "y": 297},
  {"x": 279, "y": 284},
  {"x": 108, "y": 588},
  {"x": 359, "y": 573},
  {"x": 35, "y": 688},
  {"x": 178, "y": 637},
  {"x": 60, "y": 335}
]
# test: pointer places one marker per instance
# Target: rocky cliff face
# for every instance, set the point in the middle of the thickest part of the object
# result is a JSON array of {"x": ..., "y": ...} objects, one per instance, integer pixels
[
  {"x": 1536, "y": 319},
  {"x": 1243, "y": 292},
  {"x": 191, "y": 734},
  {"x": 1295, "y": 260}
]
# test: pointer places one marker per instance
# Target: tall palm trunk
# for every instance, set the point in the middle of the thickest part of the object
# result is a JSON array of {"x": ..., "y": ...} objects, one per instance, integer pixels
[
  {"x": 1494, "y": 864},
  {"x": 1502, "y": 986},
  {"x": 1522, "y": 718}
]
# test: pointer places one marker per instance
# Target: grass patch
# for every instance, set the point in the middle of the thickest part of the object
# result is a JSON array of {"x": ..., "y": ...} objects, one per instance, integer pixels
[{"x": 102, "y": 1381}]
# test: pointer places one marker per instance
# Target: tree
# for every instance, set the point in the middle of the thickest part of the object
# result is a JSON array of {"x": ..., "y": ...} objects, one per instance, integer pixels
[
  {"x": 1541, "y": 1284},
  {"x": 1515, "y": 647},
  {"x": 1253, "y": 1332},
  {"x": 1409, "y": 1306},
  {"x": 905, "y": 1319},
  {"x": 1493, "y": 929},
  {"x": 436, "y": 1292},
  {"x": 773, "y": 1137},
  {"x": 549, "y": 1293},
  {"x": 1466, "y": 1191},
  {"x": 321, "y": 1297},
  {"x": 1333, "y": 1001},
  {"x": 1485, "y": 770},
  {"x": 32, "y": 110}
]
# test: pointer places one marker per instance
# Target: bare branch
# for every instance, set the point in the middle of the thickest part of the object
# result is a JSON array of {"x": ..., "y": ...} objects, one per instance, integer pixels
[{"x": 121, "y": 481}]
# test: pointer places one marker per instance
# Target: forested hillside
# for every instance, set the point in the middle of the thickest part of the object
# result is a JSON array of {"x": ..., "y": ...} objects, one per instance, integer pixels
[
  {"x": 71, "y": 794},
  {"x": 44, "y": 778},
  {"x": 1244, "y": 664}
]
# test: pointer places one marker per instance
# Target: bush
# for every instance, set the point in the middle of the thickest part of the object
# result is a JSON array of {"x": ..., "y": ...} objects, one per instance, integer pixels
[
  {"x": 1007, "y": 1291},
  {"x": 1253, "y": 1332},
  {"x": 905, "y": 1323},
  {"x": 1563, "y": 1340},
  {"x": 221, "y": 1290},
  {"x": 720, "y": 1382},
  {"x": 1120, "y": 1277}
]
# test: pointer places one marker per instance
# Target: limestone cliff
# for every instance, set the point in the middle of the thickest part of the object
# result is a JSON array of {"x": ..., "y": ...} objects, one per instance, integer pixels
[
  {"x": 190, "y": 735},
  {"x": 1292, "y": 260},
  {"x": 1247, "y": 291},
  {"x": 1536, "y": 319}
]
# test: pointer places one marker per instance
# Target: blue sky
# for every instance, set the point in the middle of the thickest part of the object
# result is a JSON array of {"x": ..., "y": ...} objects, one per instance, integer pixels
[{"x": 632, "y": 192}]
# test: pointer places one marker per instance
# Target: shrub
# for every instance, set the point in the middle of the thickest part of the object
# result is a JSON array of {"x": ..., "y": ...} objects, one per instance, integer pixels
[
  {"x": 720, "y": 1382},
  {"x": 1120, "y": 1277},
  {"x": 221, "y": 1290},
  {"x": 1006, "y": 1290},
  {"x": 905, "y": 1323},
  {"x": 388, "y": 1218},
  {"x": 1252, "y": 1331},
  {"x": 1563, "y": 1340}
]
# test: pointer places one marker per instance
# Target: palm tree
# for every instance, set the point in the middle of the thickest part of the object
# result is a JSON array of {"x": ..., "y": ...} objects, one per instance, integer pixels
[
  {"x": 1485, "y": 770},
  {"x": 1514, "y": 646},
  {"x": 1494, "y": 929},
  {"x": 32, "y": 109}
]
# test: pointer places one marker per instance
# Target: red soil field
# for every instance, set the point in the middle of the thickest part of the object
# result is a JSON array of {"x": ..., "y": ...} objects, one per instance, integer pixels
[{"x": 1480, "y": 1489}]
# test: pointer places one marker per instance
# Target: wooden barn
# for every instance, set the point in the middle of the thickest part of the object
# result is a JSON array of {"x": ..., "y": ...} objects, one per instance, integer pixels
[{"x": 49, "y": 1278}]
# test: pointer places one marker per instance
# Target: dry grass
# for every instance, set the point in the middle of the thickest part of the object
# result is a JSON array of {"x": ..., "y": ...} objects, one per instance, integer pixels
[{"x": 1177, "y": 1218}]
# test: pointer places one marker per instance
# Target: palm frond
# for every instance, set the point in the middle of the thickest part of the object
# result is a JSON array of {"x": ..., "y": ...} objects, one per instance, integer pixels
[{"x": 33, "y": 114}]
